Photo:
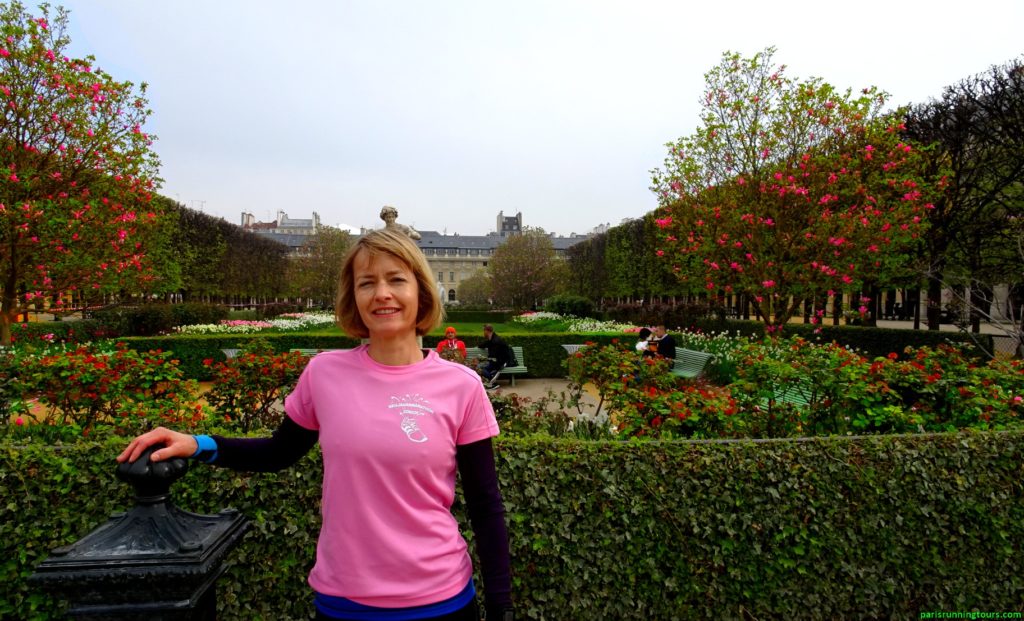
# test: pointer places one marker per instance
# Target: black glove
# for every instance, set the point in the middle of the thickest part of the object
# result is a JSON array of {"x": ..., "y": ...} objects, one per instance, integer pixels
[{"x": 499, "y": 613}]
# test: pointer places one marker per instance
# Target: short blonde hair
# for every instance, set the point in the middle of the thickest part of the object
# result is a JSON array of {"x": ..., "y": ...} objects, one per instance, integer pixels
[{"x": 429, "y": 310}]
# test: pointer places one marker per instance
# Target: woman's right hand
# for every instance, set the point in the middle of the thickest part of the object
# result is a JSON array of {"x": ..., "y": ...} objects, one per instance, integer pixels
[{"x": 176, "y": 444}]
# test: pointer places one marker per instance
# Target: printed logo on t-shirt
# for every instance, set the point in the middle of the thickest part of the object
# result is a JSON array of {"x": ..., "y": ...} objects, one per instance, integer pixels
[{"x": 411, "y": 407}]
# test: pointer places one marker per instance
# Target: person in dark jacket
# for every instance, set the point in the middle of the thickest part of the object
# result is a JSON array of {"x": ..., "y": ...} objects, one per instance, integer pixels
[
  {"x": 666, "y": 343},
  {"x": 498, "y": 356}
]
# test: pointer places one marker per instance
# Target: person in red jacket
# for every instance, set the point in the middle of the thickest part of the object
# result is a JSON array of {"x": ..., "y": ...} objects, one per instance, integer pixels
[{"x": 451, "y": 344}]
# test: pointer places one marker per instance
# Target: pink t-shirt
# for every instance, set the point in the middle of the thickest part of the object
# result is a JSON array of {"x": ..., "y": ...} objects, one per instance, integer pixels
[{"x": 388, "y": 436}]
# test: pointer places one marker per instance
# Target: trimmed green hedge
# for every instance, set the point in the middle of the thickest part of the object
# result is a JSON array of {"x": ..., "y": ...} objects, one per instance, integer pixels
[
  {"x": 543, "y": 351},
  {"x": 192, "y": 350},
  {"x": 826, "y": 528},
  {"x": 873, "y": 342},
  {"x": 70, "y": 331}
]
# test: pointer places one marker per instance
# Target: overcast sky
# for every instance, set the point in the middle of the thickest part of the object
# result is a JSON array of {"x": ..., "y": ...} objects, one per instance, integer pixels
[{"x": 455, "y": 110}]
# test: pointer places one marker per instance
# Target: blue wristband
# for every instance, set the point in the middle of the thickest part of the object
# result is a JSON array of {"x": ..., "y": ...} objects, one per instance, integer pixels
[{"x": 206, "y": 449}]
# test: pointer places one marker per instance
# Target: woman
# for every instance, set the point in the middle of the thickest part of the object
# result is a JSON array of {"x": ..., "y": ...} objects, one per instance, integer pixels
[
  {"x": 452, "y": 345},
  {"x": 644, "y": 335},
  {"x": 393, "y": 422}
]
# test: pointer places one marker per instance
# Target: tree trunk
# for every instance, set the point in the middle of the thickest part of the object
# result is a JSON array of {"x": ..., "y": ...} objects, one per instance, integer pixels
[
  {"x": 786, "y": 312},
  {"x": 871, "y": 293},
  {"x": 8, "y": 310},
  {"x": 915, "y": 305},
  {"x": 981, "y": 304},
  {"x": 934, "y": 303},
  {"x": 1020, "y": 337},
  {"x": 5, "y": 330}
]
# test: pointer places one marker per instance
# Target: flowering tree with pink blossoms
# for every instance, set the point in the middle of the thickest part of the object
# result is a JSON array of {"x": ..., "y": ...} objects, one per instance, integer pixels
[
  {"x": 77, "y": 171},
  {"x": 789, "y": 191}
]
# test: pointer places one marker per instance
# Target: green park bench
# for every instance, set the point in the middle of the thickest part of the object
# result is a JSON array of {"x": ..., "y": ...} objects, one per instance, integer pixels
[
  {"x": 511, "y": 372},
  {"x": 309, "y": 351},
  {"x": 690, "y": 363},
  {"x": 799, "y": 394}
]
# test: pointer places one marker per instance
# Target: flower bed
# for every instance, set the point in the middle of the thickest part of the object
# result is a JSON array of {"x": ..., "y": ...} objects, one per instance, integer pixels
[
  {"x": 288, "y": 322},
  {"x": 925, "y": 390}
]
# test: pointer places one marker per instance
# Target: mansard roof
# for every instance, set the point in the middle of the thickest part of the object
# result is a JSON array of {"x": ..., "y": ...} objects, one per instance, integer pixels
[{"x": 433, "y": 239}]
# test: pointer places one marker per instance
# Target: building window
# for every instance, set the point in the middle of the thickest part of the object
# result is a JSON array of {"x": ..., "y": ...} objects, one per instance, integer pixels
[
  {"x": 463, "y": 252},
  {"x": 451, "y": 276},
  {"x": 440, "y": 277},
  {"x": 451, "y": 295}
]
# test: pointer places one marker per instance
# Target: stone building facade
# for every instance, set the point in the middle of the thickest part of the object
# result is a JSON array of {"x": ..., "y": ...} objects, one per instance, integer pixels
[
  {"x": 292, "y": 232},
  {"x": 454, "y": 258}
]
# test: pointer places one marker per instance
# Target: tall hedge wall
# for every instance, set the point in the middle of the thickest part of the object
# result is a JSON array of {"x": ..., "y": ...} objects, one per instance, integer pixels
[{"x": 877, "y": 527}]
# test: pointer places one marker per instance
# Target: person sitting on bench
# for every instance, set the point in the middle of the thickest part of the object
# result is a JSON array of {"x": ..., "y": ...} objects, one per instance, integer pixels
[{"x": 498, "y": 356}]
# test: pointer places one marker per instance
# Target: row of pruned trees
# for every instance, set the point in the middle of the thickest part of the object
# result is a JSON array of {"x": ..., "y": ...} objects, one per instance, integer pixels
[
  {"x": 621, "y": 265},
  {"x": 974, "y": 140},
  {"x": 209, "y": 259}
]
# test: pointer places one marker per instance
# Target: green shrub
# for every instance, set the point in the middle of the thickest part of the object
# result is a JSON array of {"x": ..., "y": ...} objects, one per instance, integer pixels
[
  {"x": 155, "y": 319},
  {"x": 72, "y": 332},
  {"x": 191, "y": 313},
  {"x": 193, "y": 351},
  {"x": 145, "y": 320},
  {"x": 830, "y": 528},
  {"x": 575, "y": 305},
  {"x": 276, "y": 309},
  {"x": 683, "y": 315}
]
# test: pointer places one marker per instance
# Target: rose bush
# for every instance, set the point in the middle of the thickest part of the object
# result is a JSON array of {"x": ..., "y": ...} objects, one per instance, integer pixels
[
  {"x": 792, "y": 387},
  {"x": 643, "y": 398},
  {"x": 248, "y": 388},
  {"x": 87, "y": 386}
]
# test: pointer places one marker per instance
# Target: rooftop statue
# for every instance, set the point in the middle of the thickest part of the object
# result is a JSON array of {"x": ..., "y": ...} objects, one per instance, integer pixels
[{"x": 389, "y": 214}]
